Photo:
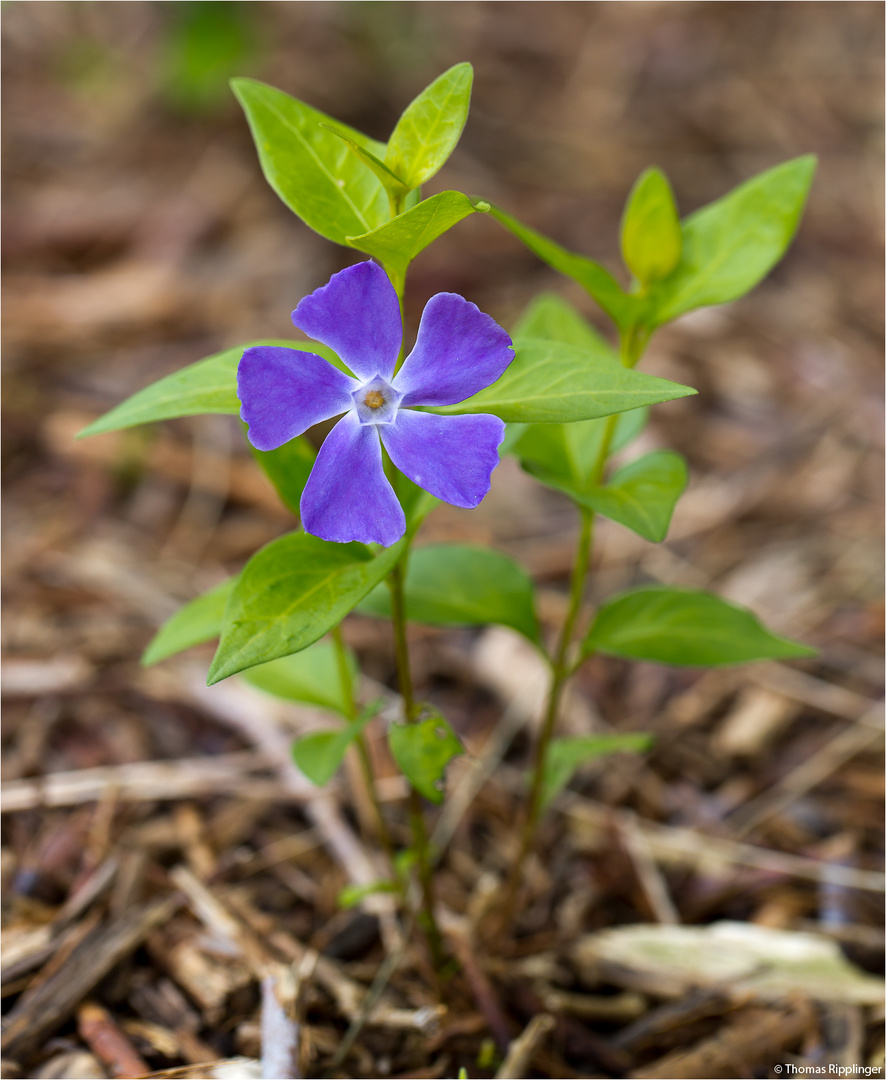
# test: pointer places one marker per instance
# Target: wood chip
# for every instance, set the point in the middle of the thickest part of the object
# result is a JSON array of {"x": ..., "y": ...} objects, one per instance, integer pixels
[{"x": 32, "y": 1020}]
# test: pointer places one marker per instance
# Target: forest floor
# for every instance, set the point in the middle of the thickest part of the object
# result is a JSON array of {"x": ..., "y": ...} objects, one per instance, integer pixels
[{"x": 168, "y": 878}]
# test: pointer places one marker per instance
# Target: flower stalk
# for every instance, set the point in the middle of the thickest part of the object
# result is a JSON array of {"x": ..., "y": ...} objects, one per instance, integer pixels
[
  {"x": 420, "y": 843},
  {"x": 632, "y": 345}
]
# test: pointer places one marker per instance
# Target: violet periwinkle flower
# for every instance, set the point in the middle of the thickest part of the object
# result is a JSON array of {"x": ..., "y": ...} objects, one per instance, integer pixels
[{"x": 458, "y": 351}]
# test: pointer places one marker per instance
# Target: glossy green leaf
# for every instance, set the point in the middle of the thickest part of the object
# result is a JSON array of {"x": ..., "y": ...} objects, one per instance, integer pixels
[
  {"x": 641, "y": 495},
  {"x": 550, "y": 382},
  {"x": 567, "y": 755},
  {"x": 396, "y": 243},
  {"x": 416, "y": 502},
  {"x": 312, "y": 169},
  {"x": 622, "y": 308},
  {"x": 569, "y": 451},
  {"x": 292, "y": 592},
  {"x": 288, "y": 468},
  {"x": 320, "y": 754},
  {"x": 687, "y": 628},
  {"x": 351, "y": 895},
  {"x": 393, "y": 184},
  {"x": 731, "y": 244},
  {"x": 551, "y": 317},
  {"x": 430, "y": 127},
  {"x": 208, "y": 386},
  {"x": 311, "y": 676},
  {"x": 651, "y": 238},
  {"x": 423, "y": 750},
  {"x": 197, "y": 622},
  {"x": 463, "y": 585}
]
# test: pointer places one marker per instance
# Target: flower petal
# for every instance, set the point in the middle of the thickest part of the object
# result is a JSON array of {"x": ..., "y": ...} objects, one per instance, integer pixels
[
  {"x": 357, "y": 314},
  {"x": 283, "y": 392},
  {"x": 452, "y": 457},
  {"x": 459, "y": 351},
  {"x": 347, "y": 496}
]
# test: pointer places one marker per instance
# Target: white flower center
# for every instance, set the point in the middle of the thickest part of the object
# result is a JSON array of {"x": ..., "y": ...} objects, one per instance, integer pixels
[{"x": 376, "y": 402}]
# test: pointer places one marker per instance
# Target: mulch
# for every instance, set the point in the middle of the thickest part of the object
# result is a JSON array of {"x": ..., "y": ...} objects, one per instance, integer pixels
[{"x": 170, "y": 880}]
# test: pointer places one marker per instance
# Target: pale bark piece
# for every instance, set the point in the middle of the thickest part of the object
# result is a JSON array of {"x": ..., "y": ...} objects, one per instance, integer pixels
[{"x": 736, "y": 958}]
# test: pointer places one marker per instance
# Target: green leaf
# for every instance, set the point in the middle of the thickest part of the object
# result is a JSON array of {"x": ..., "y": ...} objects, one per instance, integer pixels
[
  {"x": 288, "y": 468},
  {"x": 396, "y": 243},
  {"x": 198, "y": 621},
  {"x": 313, "y": 170},
  {"x": 351, "y": 895},
  {"x": 416, "y": 502},
  {"x": 551, "y": 317},
  {"x": 571, "y": 452},
  {"x": 312, "y": 676},
  {"x": 641, "y": 495},
  {"x": 687, "y": 628},
  {"x": 463, "y": 585},
  {"x": 320, "y": 754},
  {"x": 423, "y": 750},
  {"x": 550, "y": 382},
  {"x": 430, "y": 127},
  {"x": 731, "y": 244},
  {"x": 567, "y": 755},
  {"x": 393, "y": 184},
  {"x": 622, "y": 308},
  {"x": 292, "y": 592},
  {"x": 208, "y": 386},
  {"x": 651, "y": 239}
]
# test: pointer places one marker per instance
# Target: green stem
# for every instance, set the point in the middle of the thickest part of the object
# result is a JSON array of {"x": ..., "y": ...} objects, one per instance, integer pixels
[
  {"x": 347, "y": 685},
  {"x": 410, "y": 715},
  {"x": 633, "y": 343}
]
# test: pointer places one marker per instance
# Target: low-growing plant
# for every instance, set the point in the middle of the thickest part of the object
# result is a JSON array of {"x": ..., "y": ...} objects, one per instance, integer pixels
[{"x": 427, "y": 424}]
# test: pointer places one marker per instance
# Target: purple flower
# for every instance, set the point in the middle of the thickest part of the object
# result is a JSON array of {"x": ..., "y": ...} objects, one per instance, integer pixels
[{"x": 458, "y": 352}]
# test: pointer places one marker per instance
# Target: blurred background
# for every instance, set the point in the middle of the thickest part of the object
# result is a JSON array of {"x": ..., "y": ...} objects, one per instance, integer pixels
[{"x": 139, "y": 236}]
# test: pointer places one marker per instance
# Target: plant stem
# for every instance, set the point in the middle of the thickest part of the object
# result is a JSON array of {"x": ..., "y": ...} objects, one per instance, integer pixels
[
  {"x": 416, "y": 815},
  {"x": 347, "y": 685},
  {"x": 632, "y": 345}
]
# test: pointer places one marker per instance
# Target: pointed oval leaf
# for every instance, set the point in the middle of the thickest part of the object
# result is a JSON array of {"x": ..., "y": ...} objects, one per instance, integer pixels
[
  {"x": 571, "y": 452},
  {"x": 651, "y": 238},
  {"x": 396, "y": 243},
  {"x": 463, "y": 585},
  {"x": 312, "y": 170},
  {"x": 197, "y": 622},
  {"x": 208, "y": 386},
  {"x": 642, "y": 495},
  {"x": 393, "y": 184},
  {"x": 351, "y": 895},
  {"x": 292, "y": 592},
  {"x": 312, "y": 676},
  {"x": 549, "y": 382},
  {"x": 320, "y": 754},
  {"x": 551, "y": 317},
  {"x": 423, "y": 750},
  {"x": 621, "y": 307},
  {"x": 732, "y": 244},
  {"x": 685, "y": 627},
  {"x": 288, "y": 468},
  {"x": 567, "y": 755},
  {"x": 430, "y": 127}
]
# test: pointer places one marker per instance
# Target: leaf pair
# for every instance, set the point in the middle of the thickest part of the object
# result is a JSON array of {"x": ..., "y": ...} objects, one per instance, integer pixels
[
  {"x": 716, "y": 255},
  {"x": 463, "y": 585},
  {"x": 570, "y": 457},
  {"x": 344, "y": 185},
  {"x": 685, "y": 627}
]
